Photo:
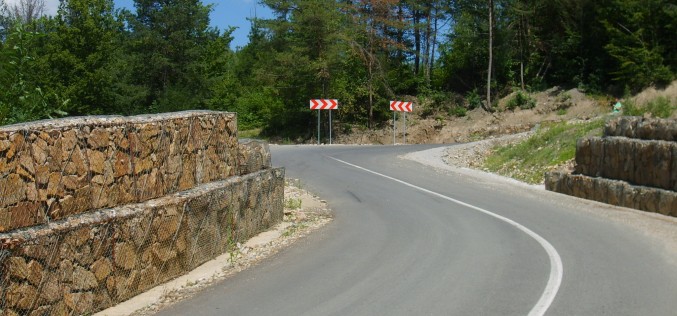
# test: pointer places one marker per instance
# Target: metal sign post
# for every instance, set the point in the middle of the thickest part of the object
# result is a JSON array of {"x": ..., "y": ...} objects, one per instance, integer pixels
[
  {"x": 329, "y": 127},
  {"x": 404, "y": 118},
  {"x": 394, "y": 128},
  {"x": 318, "y": 127}
]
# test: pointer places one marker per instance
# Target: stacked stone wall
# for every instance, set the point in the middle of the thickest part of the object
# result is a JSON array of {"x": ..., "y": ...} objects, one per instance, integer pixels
[
  {"x": 614, "y": 192},
  {"x": 53, "y": 169},
  {"x": 253, "y": 155},
  {"x": 98, "y": 259},
  {"x": 634, "y": 165},
  {"x": 639, "y": 162},
  {"x": 97, "y": 210},
  {"x": 638, "y": 127}
]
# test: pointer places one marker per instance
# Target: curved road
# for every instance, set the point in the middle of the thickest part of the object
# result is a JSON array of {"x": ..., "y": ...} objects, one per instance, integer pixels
[{"x": 408, "y": 239}]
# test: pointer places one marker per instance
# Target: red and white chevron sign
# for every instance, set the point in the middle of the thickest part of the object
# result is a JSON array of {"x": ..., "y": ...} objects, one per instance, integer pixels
[
  {"x": 324, "y": 104},
  {"x": 401, "y": 106}
]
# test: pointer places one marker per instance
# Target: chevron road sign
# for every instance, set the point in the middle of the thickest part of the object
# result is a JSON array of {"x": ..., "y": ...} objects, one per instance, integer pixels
[
  {"x": 401, "y": 106},
  {"x": 404, "y": 107},
  {"x": 324, "y": 104}
]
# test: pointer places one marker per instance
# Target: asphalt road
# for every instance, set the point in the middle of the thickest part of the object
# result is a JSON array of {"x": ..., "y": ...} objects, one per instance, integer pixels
[{"x": 408, "y": 239}]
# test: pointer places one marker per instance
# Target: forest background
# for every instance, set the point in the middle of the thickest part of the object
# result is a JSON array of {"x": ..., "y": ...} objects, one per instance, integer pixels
[{"x": 92, "y": 58}]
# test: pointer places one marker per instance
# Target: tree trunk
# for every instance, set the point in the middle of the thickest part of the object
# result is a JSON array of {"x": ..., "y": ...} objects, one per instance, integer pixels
[
  {"x": 434, "y": 40},
  {"x": 428, "y": 31},
  {"x": 400, "y": 32},
  {"x": 417, "y": 41},
  {"x": 491, "y": 59}
]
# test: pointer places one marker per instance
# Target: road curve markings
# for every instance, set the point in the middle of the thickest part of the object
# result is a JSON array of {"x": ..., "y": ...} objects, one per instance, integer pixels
[{"x": 556, "y": 269}]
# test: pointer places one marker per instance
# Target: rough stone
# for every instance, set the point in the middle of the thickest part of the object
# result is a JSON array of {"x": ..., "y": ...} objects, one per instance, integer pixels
[
  {"x": 166, "y": 227},
  {"x": 163, "y": 252},
  {"x": 17, "y": 268},
  {"x": 39, "y": 149},
  {"x": 13, "y": 189},
  {"x": 102, "y": 268},
  {"x": 26, "y": 214},
  {"x": 124, "y": 256},
  {"x": 21, "y": 296},
  {"x": 80, "y": 303},
  {"x": 50, "y": 291},
  {"x": 35, "y": 272},
  {"x": 98, "y": 138},
  {"x": 83, "y": 279}
]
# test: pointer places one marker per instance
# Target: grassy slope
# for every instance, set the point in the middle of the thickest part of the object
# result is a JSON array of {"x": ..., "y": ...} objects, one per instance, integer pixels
[
  {"x": 549, "y": 147},
  {"x": 555, "y": 145}
]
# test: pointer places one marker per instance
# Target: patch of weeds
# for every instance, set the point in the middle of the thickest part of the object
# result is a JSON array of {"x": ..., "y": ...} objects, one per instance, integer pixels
[
  {"x": 291, "y": 230},
  {"x": 476, "y": 136},
  {"x": 563, "y": 102},
  {"x": 564, "y": 97},
  {"x": 292, "y": 203},
  {"x": 549, "y": 147},
  {"x": 522, "y": 100},
  {"x": 251, "y": 133},
  {"x": 562, "y": 112},
  {"x": 474, "y": 100},
  {"x": 458, "y": 111},
  {"x": 658, "y": 107}
]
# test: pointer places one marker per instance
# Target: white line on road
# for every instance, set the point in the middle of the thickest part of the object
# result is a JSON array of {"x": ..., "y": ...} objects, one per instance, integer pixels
[{"x": 556, "y": 270}]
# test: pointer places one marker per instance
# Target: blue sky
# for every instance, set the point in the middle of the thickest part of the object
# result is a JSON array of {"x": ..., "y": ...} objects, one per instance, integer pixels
[{"x": 226, "y": 13}]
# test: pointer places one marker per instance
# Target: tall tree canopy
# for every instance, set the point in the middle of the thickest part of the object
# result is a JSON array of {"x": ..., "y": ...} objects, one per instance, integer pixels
[{"x": 92, "y": 58}]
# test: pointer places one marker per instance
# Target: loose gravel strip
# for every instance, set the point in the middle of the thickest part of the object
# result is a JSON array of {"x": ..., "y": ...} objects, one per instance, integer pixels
[
  {"x": 304, "y": 213},
  {"x": 472, "y": 155}
]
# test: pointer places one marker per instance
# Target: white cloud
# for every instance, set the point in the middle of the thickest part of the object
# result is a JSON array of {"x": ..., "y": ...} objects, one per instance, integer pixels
[{"x": 51, "y": 6}]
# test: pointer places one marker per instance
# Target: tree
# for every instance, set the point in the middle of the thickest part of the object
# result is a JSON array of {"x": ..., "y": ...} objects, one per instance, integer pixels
[
  {"x": 168, "y": 41},
  {"x": 642, "y": 41},
  {"x": 81, "y": 51},
  {"x": 26, "y": 10},
  {"x": 23, "y": 97},
  {"x": 491, "y": 54}
]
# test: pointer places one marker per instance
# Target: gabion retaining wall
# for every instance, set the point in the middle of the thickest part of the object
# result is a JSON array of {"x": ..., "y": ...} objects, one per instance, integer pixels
[
  {"x": 53, "y": 169},
  {"x": 634, "y": 165},
  {"x": 95, "y": 260},
  {"x": 253, "y": 155},
  {"x": 614, "y": 192},
  {"x": 96, "y": 210},
  {"x": 642, "y": 128},
  {"x": 639, "y": 162}
]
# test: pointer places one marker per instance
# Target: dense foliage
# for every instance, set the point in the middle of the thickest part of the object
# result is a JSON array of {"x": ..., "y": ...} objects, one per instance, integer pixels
[{"x": 92, "y": 58}]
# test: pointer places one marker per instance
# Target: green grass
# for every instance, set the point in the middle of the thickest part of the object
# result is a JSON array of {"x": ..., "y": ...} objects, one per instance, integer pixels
[
  {"x": 252, "y": 133},
  {"x": 551, "y": 146},
  {"x": 292, "y": 203},
  {"x": 658, "y": 107}
]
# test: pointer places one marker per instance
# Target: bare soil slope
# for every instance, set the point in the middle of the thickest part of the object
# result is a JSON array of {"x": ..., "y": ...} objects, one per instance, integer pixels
[{"x": 552, "y": 105}]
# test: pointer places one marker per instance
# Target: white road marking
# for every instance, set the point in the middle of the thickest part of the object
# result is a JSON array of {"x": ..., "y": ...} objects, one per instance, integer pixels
[{"x": 556, "y": 270}]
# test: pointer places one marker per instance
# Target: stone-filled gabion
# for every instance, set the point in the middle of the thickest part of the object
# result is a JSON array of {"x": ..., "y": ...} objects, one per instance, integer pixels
[
  {"x": 97, "y": 259},
  {"x": 642, "y": 128},
  {"x": 53, "y": 169},
  {"x": 253, "y": 155},
  {"x": 634, "y": 165},
  {"x": 96, "y": 210},
  {"x": 613, "y": 192},
  {"x": 639, "y": 162}
]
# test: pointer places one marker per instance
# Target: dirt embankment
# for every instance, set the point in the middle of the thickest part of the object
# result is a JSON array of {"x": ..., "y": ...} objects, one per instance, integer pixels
[{"x": 552, "y": 105}]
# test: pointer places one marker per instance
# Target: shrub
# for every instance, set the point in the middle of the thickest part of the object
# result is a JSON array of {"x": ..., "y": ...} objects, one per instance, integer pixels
[
  {"x": 458, "y": 111},
  {"x": 521, "y": 100},
  {"x": 658, "y": 107},
  {"x": 474, "y": 100}
]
